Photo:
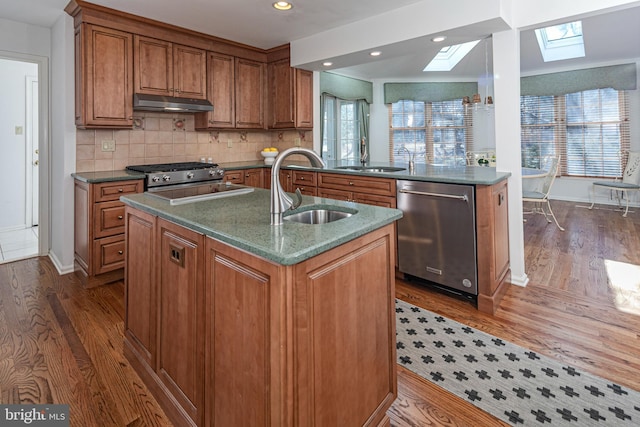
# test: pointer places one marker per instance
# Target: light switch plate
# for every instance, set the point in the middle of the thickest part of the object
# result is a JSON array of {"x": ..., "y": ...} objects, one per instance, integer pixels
[
  {"x": 19, "y": 130},
  {"x": 108, "y": 145}
]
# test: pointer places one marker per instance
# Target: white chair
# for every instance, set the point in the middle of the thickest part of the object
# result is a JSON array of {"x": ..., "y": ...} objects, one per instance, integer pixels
[
  {"x": 540, "y": 195},
  {"x": 630, "y": 182}
]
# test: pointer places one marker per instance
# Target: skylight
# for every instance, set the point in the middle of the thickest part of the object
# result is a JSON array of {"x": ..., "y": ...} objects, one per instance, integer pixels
[
  {"x": 449, "y": 56},
  {"x": 560, "y": 42}
]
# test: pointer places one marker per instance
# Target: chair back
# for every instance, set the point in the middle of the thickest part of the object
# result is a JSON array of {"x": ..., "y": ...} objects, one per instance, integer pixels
[
  {"x": 553, "y": 164},
  {"x": 631, "y": 174}
]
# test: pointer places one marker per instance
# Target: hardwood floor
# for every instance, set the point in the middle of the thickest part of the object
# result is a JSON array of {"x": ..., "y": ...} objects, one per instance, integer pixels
[{"x": 61, "y": 343}]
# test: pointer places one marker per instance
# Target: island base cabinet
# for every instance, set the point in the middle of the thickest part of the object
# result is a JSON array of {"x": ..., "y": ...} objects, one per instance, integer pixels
[{"x": 223, "y": 337}]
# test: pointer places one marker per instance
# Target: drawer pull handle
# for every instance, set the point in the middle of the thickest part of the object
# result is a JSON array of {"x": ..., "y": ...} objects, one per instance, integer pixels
[
  {"x": 120, "y": 190},
  {"x": 120, "y": 252},
  {"x": 120, "y": 217},
  {"x": 350, "y": 183},
  {"x": 302, "y": 178}
]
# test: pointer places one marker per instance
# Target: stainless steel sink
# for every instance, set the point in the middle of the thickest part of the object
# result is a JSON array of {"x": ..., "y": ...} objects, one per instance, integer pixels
[
  {"x": 317, "y": 216},
  {"x": 372, "y": 168}
]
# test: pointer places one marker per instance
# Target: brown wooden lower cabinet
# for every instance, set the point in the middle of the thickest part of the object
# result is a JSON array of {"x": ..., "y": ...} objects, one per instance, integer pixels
[{"x": 223, "y": 337}]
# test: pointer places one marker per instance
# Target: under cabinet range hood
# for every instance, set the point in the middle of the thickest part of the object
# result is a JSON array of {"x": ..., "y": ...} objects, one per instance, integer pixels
[{"x": 142, "y": 102}]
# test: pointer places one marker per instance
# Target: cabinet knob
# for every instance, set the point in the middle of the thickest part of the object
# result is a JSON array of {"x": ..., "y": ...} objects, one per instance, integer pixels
[
  {"x": 350, "y": 183},
  {"x": 120, "y": 190},
  {"x": 120, "y": 252},
  {"x": 119, "y": 216},
  {"x": 302, "y": 178}
]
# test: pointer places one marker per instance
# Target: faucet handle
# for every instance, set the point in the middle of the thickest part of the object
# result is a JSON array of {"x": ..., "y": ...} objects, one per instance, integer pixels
[{"x": 298, "y": 201}]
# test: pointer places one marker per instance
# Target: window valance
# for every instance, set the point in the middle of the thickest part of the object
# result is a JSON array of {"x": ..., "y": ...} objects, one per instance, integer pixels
[
  {"x": 428, "y": 91},
  {"x": 618, "y": 77},
  {"x": 346, "y": 87}
]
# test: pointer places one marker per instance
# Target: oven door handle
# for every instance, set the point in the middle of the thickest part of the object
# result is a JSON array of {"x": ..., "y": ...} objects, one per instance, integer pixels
[{"x": 446, "y": 196}]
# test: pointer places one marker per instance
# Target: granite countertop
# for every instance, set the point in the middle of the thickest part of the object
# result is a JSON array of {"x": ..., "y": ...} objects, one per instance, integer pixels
[
  {"x": 107, "y": 176},
  {"x": 476, "y": 175},
  {"x": 243, "y": 221}
]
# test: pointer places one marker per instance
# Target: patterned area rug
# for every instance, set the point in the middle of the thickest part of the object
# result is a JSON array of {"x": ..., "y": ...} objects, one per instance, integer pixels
[{"x": 517, "y": 385}]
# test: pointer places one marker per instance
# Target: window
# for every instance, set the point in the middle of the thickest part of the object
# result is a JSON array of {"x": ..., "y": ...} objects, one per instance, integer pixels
[
  {"x": 440, "y": 130},
  {"x": 588, "y": 129},
  {"x": 341, "y": 133}
]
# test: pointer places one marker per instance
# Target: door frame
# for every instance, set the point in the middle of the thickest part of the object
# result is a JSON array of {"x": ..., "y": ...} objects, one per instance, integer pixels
[{"x": 44, "y": 205}]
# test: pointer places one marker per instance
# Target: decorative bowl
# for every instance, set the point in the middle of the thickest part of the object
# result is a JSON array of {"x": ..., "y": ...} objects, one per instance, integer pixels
[{"x": 269, "y": 156}]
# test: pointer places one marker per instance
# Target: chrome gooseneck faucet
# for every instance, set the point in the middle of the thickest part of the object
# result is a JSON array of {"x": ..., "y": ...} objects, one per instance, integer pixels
[
  {"x": 280, "y": 201},
  {"x": 363, "y": 152},
  {"x": 411, "y": 157}
]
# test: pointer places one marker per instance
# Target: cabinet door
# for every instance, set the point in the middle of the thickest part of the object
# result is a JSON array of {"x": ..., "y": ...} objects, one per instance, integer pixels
[
  {"x": 189, "y": 72},
  {"x": 154, "y": 66},
  {"x": 104, "y": 74},
  {"x": 181, "y": 316},
  {"x": 281, "y": 94},
  {"x": 140, "y": 286},
  {"x": 250, "y": 94},
  {"x": 253, "y": 178},
  {"x": 246, "y": 338},
  {"x": 286, "y": 180},
  {"x": 220, "y": 92},
  {"x": 304, "y": 99}
]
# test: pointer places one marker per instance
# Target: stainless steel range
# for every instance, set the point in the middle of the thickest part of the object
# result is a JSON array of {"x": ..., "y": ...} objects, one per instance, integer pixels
[{"x": 187, "y": 182}]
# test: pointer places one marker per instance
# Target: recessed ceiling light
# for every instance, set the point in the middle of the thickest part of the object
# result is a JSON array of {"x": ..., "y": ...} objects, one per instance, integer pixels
[
  {"x": 282, "y": 5},
  {"x": 327, "y": 64},
  {"x": 438, "y": 39},
  {"x": 375, "y": 53}
]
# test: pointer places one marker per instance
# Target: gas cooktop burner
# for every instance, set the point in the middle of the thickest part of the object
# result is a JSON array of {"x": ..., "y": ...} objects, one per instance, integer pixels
[
  {"x": 168, "y": 167},
  {"x": 160, "y": 175}
]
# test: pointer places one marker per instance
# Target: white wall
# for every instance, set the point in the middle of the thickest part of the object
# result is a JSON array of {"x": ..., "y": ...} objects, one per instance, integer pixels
[
  {"x": 63, "y": 143},
  {"x": 14, "y": 153}
]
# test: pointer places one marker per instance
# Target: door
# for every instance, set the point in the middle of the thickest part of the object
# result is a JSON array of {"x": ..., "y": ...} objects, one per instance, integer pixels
[{"x": 32, "y": 150}]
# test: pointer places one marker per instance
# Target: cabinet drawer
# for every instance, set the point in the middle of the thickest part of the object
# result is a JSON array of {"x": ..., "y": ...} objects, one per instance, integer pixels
[
  {"x": 108, "y": 254},
  {"x": 108, "y": 219},
  {"x": 335, "y": 194},
  {"x": 237, "y": 177},
  {"x": 372, "y": 199},
  {"x": 305, "y": 178},
  {"x": 308, "y": 191},
  {"x": 113, "y": 190},
  {"x": 379, "y": 186}
]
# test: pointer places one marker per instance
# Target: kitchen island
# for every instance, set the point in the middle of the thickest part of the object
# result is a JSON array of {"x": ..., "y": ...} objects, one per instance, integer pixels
[{"x": 232, "y": 321}]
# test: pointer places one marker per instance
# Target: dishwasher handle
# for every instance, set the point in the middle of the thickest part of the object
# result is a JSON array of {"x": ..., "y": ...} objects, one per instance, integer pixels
[{"x": 446, "y": 196}]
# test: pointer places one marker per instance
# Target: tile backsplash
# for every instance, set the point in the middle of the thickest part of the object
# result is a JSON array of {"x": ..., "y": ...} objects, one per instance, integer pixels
[{"x": 164, "y": 138}]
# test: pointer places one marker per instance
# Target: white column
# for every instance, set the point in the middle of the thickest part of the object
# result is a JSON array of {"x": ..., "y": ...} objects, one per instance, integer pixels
[{"x": 506, "y": 68}]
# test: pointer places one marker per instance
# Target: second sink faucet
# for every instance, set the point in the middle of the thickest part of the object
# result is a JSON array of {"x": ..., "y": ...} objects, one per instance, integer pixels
[
  {"x": 363, "y": 151},
  {"x": 280, "y": 201}
]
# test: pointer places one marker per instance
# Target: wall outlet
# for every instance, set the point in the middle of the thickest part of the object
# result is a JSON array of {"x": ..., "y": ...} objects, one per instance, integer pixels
[
  {"x": 229, "y": 143},
  {"x": 297, "y": 142},
  {"x": 19, "y": 130},
  {"x": 109, "y": 145}
]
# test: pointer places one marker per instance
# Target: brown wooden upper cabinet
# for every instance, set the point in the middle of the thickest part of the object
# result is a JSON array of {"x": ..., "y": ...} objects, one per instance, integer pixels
[
  {"x": 103, "y": 69},
  {"x": 250, "y": 93},
  {"x": 291, "y": 96},
  {"x": 169, "y": 69},
  {"x": 237, "y": 90}
]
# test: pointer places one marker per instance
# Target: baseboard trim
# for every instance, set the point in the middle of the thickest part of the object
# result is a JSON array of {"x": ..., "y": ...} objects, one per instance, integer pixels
[
  {"x": 519, "y": 280},
  {"x": 62, "y": 270}
]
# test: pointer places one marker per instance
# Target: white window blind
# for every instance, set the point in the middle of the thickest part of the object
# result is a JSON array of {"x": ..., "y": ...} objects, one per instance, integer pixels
[
  {"x": 588, "y": 129},
  {"x": 439, "y": 132}
]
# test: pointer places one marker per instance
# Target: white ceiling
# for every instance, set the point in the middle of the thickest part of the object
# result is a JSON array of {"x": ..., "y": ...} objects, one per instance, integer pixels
[{"x": 609, "y": 38}]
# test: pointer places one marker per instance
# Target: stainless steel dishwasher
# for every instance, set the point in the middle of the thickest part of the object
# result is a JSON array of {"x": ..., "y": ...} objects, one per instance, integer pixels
[{"x": 437, "y": 234}]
